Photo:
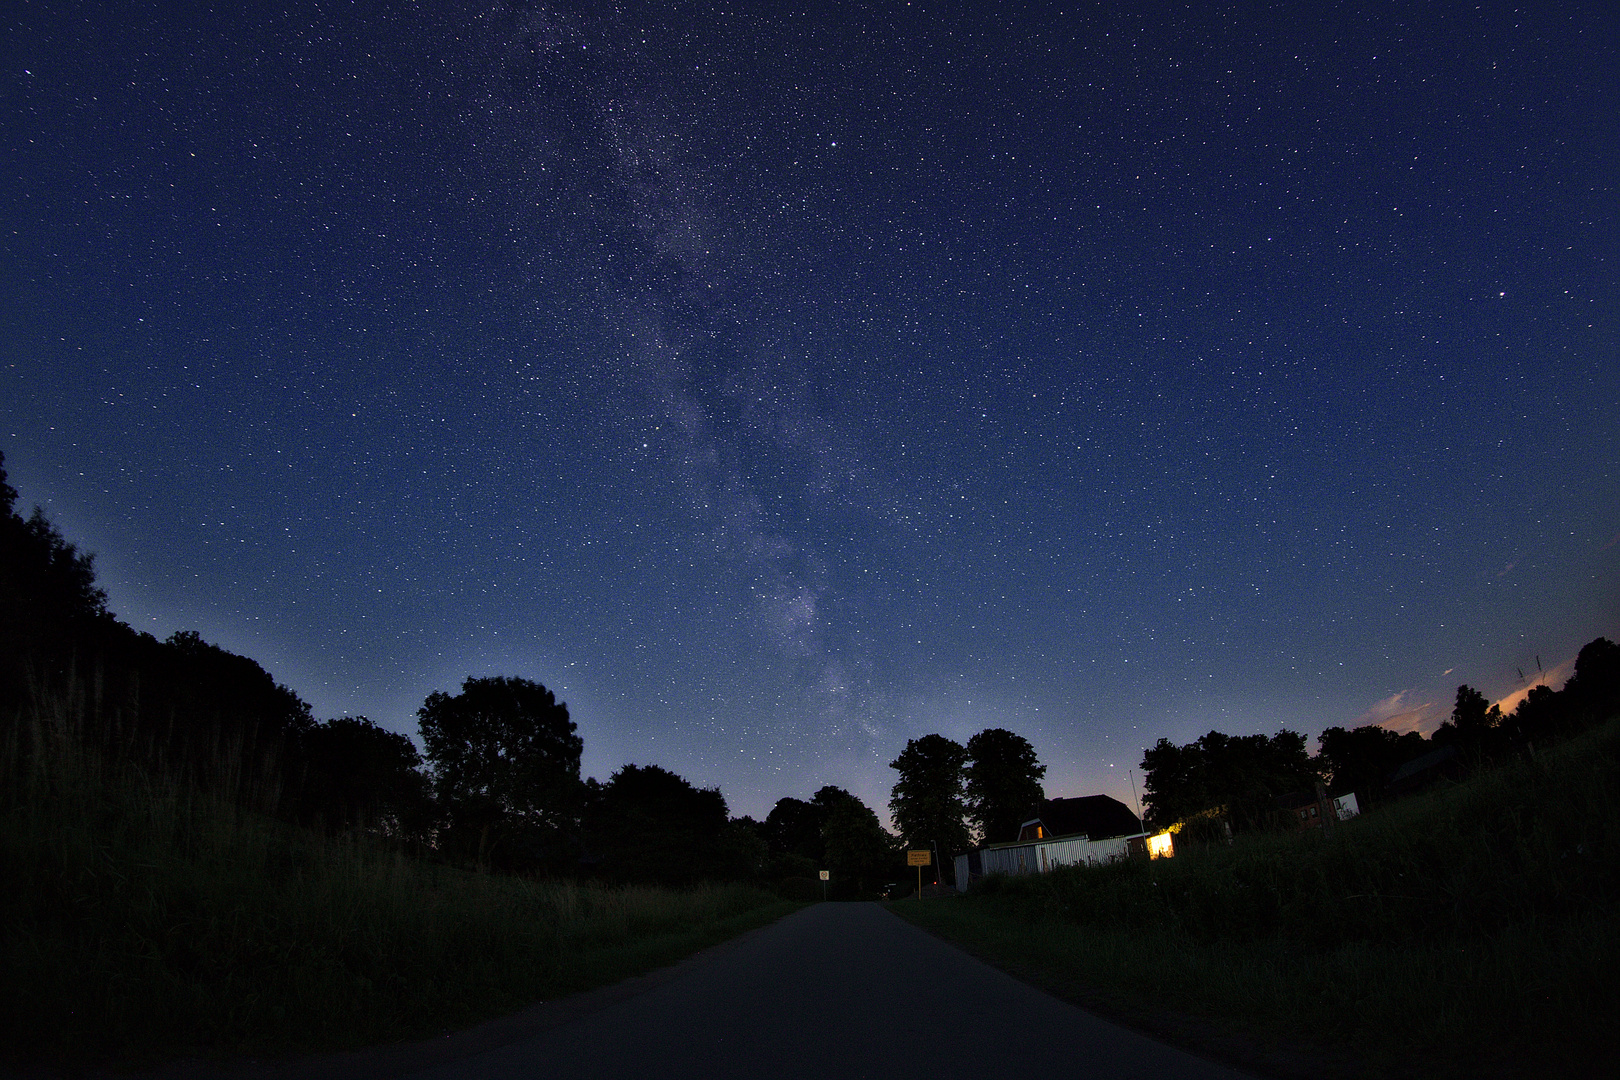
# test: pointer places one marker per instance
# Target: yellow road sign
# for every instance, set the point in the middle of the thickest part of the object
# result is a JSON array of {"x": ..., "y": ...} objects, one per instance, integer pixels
[{"x": 919, "y": 858}]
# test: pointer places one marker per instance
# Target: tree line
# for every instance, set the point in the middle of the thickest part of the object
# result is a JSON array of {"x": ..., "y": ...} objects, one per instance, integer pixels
[
  {"x": 498, "y": 786},
  {"x": 1221, "y": 784}
]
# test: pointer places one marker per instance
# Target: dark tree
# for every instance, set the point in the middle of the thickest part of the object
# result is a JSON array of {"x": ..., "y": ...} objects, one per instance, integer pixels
[
  {"x": 792, "y": 831},
  {"x": 858, "y": 851},
  {"x": 1595, "y": 686},
  {"x": 1003, "y": 784},
  {"x": 1361, "y": 759},
  {"x": 649, "y": 825},
  {"x": 793, "y": 827},
  {"x": 1471, "y": 714},
  {"x": 1591, "y": 696},
  {"x": 1175, "y": 783},
  {"x": 1544, "y": 715},
  {"x": 1472, "y": 723},
  {"x": 359, "y": 775},
  {"x": 48, "y": 594},
  {"x": 744, "y": 850},
  {"x": 234, "y": 696},
  {"x": 505, "y": 761},
  {"x": 41, "y": 574},
  {"x": 188, "y": 709},
  {"x": 927, "y": 801},
  {"x": 1237, "y": 778}
]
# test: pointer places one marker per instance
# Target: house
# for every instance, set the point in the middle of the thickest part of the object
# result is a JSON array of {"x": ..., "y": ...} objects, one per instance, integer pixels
[
  {"x": 1086, "y": 831},
  {"x": 1317, "y": 811},
  {"x": 1097, "y": 817},
  {"x": 1308, "y": 811}
]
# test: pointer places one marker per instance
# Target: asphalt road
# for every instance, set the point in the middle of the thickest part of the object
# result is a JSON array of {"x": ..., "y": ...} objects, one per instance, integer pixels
[{"x": 832, "y": 991}]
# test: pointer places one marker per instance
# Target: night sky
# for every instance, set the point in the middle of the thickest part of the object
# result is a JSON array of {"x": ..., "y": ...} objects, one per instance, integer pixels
[{"x": 779, "y": 387}]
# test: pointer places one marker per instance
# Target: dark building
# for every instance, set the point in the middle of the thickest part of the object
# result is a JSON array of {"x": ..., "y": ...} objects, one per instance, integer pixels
[
  {"x": 1097, "y": 817},
  {"x": 1442, "y": 764}
]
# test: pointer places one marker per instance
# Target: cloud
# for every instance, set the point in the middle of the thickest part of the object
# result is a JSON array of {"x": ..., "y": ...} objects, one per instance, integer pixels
[
  {"x": 1554, "y": 677},
  {"x": 1405, "y": 710},
  {"x": 1401, "y": 712}
]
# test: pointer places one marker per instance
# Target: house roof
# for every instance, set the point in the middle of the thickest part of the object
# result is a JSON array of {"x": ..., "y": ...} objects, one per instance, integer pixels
[
  {"x": 1433, "y": 759},
  {"x": 1097, "y": 816}
]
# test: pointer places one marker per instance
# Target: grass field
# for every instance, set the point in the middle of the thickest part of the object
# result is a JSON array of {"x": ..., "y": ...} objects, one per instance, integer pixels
[
  {"x": 1471, "y": 931},
  {"x": 142, "y": 921}
]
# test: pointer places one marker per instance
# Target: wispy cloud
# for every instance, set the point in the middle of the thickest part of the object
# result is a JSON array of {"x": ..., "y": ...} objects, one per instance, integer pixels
[
  {"x": 1554, "y": 677},
  {"x": 1419, "y": 711},
  {"x": 1404, "y": 711}
]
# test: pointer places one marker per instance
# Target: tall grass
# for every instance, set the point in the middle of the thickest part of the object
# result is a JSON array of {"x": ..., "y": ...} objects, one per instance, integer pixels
[
  {"x": 143, "y": 918},
  {"x": 1467, "y": 931}
]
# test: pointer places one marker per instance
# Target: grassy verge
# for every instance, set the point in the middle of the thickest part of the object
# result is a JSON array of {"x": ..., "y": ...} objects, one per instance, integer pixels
[
  {"x": 141, "y": 921},
  {"x": 1469, "y": 932}
]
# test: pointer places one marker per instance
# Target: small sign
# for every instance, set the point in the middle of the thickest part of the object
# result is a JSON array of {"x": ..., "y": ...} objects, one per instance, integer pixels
[
  {"x": 826, "y": 875},
  {"x": 919, "y": 858}
]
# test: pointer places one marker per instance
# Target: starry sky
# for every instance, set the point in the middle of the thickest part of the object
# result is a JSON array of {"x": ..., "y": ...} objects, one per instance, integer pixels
[{"x": 778, "y": 386}]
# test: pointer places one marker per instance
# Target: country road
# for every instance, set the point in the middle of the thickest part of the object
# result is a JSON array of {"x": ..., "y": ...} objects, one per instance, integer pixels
[{"x": 833, "y": 991}]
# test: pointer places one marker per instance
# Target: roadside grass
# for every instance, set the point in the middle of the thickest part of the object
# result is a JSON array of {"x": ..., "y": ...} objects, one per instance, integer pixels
[
  {"x": 142, "y": 920},
  {"x": 1469, "y": 931}
]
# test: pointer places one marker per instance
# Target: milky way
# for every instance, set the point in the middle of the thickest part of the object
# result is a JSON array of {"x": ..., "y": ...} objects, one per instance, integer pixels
[{"x": 780, "y": 387}]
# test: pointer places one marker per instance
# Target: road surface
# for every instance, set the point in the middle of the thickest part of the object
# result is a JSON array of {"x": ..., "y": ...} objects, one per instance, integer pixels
[{"x": 832, "y": 991}]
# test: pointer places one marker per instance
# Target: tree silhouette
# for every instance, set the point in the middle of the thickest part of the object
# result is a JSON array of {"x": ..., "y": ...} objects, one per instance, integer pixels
[
  {"x": 859, "y": 853},
  {"x": 1003, "y": 784},
  {"x": 1544, "y": 714},
  {"x": 41, "y": 574},
  {"x": 233, "y": 696},
  {"x": 927, "y": 801},
  {"x": 648, "y": 825},
  {"x": 1361, "y": 759},
  {"x": 1472, "y": 724},
  {"x": 1471, "y": 714},
  {"x": 48, "y": 593},
  {"x": 185, "y": 708},
  {"x": 357, "y": 774},
  {"x": 1175, "y": 783},
  {"x": 505, "y": 760},
  {"x": 1235, "y": 777},
  {"x": 793, "y": 827},
  {"x": 1595, "y": 686}
]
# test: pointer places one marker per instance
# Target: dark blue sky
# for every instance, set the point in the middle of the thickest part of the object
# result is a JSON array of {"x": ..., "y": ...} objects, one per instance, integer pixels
[{"x": 781, "y": 387}]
